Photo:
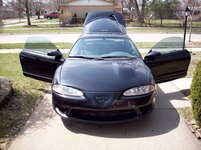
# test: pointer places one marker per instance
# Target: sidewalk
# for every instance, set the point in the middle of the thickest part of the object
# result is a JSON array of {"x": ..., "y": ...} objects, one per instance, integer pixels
[{"x": 183, "y": 83}]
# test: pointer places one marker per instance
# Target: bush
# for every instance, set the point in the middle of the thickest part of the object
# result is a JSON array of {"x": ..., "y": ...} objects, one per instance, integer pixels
[
  {"x": 196, "y": 94},
  {"x": 74, "y": 19}
]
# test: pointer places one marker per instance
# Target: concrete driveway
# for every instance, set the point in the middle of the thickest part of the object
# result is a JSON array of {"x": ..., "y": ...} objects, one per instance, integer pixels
[{"x": 164, "y": 129}]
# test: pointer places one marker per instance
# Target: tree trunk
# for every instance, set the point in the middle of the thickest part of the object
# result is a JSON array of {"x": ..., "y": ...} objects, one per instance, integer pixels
[
  {"x": 20, "y": 15},
  {"x": 191, "y": 19},
  {"x": 19, "y": 10},
  {"x": 27, "y": 13},
  {"x": 1, "y": 14},
  {"x": 161, "y": 22},
  {"x": 143, "y": 11},
  {"x": 38, "y": 14},
  {"x": 140, "y": 14},
  {"x": 190, "y": 32}
]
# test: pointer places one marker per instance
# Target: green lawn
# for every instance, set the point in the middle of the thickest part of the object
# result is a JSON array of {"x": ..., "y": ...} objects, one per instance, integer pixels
[
  {"x": 171, "y": 23},
  {"x": 45, "y": 21},
  {"x": 39, "y": 45},
  {"x": 52, "y": 29},
  {"x": 26, "y": 92},
  {"x": 41, "y": 30},
  {"x": 34, "y": 26},
  {"x": 59, "y": 45},
  {"x": 169, "y": 26},
  {"x": 160, "y": 30},
  {"x": 69, "y": 45}
]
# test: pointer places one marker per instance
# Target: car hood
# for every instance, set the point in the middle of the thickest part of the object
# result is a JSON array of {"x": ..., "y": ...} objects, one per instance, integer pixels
[{"x": 104, "y": 75}]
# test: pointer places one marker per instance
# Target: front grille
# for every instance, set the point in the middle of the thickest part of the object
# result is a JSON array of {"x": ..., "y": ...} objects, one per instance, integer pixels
[
  {"x": 145, "y": 109},
  {"x": 113, "y": 115},
  {"x": 62, "y": 108}
]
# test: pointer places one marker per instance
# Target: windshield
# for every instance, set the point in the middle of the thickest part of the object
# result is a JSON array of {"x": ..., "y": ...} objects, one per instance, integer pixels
[{"x": 104, "y": 47}]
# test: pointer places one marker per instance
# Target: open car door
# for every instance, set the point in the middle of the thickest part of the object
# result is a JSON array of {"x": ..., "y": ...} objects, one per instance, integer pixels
[
  {"x": 167, "y": 60},
  {"x": 40, "y": 59}
]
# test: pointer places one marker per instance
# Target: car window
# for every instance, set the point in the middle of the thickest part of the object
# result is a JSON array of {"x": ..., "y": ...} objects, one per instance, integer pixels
[
  {"x": 39, "y": 44},
  {"x": 104, "y": 47},
  {"x": 169, "y": 45}
]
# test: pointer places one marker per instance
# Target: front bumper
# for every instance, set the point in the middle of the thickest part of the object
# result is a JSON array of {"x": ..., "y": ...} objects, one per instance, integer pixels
[{"x": 119, "y": 109}]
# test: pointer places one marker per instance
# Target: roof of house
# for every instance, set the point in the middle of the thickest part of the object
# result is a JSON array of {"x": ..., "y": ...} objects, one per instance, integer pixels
[{"x": 90, "y": 3}]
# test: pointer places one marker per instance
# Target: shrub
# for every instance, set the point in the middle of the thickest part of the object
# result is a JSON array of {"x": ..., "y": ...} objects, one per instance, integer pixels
[
  {"x": 196, "y": 94},
  {"x": 74, "y": 19}
]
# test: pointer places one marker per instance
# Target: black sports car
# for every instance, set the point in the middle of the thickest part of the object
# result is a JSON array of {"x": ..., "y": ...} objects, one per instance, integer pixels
[{"x": 104, "y": 78}]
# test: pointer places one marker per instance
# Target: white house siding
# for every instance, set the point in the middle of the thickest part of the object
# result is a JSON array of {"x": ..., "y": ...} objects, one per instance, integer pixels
[
  {"x": 82, "y": 10},
  {"x": 89, "y": 2},
  {"x": 9, "y": 14}
]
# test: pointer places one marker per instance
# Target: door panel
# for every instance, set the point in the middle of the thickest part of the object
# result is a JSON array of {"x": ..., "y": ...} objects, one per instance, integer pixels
[
  {"x": 38, "y": 65},
  {"x": 169, "y": 66},
  {"x": 36, "y": 60}
]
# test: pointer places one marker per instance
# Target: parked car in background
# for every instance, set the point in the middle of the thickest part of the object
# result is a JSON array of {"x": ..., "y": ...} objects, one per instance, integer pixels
[{"x": 52, "y": 15}]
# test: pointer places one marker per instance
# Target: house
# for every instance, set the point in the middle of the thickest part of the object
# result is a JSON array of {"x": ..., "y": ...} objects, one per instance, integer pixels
[
  {"x": 9, "y": 13},
  {"x": 68, "y": 8}
]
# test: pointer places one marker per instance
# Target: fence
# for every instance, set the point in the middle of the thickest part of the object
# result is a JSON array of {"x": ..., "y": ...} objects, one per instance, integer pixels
[{"x": 172, "y": 23}]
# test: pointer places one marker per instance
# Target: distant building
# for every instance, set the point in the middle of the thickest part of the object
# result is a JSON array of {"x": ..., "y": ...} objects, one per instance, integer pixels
[
  {"x": 9, "y": 13},
  {"x": 68, "y": 8}
]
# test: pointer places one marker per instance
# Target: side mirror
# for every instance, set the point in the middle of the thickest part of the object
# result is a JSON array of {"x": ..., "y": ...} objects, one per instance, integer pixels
[
  {"x": 152, "y": 55},
  {"x": 58, "y": 55}
]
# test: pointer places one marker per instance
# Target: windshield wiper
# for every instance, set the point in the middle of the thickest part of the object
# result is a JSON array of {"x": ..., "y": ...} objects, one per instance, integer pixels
[
  {"x": 127, "y": 57},
  {"x": 85, "y": 57}
]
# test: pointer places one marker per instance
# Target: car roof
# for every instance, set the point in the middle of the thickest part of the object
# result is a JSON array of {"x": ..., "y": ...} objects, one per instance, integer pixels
[
  {"x": 104, "y": 14},
  {"x": 104, "y": 22},
  {"x": 104, "y": 35}
]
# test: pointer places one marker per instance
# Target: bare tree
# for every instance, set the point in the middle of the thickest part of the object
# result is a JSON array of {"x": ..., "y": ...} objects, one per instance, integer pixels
[
  {"x": 56, "y": 5},
  {"x": 21, "y": 5},
  {"x": 37, "y": 6},
  {"x": 15, "y": 5},
  {"x": 27, "y": 6},
  {"x": 194, "y": 6},
  {"x": 138, "y": 6},
  {"x": 194, "y": 15}
]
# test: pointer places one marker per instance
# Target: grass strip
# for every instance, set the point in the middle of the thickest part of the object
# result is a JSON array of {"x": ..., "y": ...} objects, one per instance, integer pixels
[
  {"x": 69, "y": 45},
  {"x": 34, "y": 45},
  {"x": 27, "y": 92}
]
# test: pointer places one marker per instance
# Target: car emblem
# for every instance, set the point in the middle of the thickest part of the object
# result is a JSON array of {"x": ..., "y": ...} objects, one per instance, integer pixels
[{"x": 102, "y": 99}]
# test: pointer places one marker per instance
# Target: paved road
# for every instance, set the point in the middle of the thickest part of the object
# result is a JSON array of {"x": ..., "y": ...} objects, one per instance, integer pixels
[
  {"x": 72, "y": 37},
  {"x": 164, "y": 129}
]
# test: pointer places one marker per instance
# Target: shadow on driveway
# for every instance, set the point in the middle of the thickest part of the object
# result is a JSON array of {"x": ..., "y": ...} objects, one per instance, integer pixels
[{"x": 162, "y": 120}]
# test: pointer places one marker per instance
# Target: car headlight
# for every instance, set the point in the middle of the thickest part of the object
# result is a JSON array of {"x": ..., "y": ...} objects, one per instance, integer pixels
[
  {"x": 65, "y": 90},
  {"x": 139, "y": 90}
]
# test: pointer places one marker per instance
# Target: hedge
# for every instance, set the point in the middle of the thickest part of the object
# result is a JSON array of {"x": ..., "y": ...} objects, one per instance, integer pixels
[{"x": 196, "y": 94}]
